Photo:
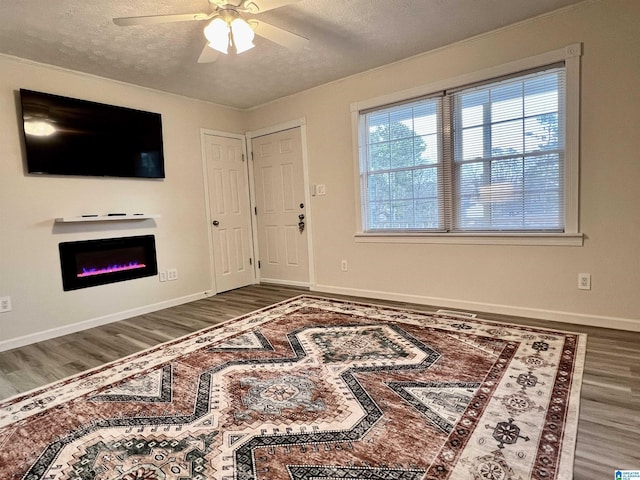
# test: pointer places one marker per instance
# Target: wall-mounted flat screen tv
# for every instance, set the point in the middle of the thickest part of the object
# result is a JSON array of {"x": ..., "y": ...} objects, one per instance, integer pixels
[{"x": 67, "y": 136}]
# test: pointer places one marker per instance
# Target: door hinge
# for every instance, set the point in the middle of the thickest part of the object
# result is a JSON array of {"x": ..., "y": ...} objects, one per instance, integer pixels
[
  {"x": 255, "y": 210},
  {"x": 259, "y": 266},
  {"x": 250, "y": 261},
  {"x": 243, "y": 157},
  {"x": 252, "y": 155}
]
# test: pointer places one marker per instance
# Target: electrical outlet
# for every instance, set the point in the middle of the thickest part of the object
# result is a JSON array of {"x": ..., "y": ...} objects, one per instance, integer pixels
[
  {"x": 162, "y": 276},
  {"x": 584, "y": 281},
  {"x": 172, "y": 274},
  {"x": 5, "y": 304},
  {"x": 321, "y": 189},
  {"x": 343, "y": 266}
]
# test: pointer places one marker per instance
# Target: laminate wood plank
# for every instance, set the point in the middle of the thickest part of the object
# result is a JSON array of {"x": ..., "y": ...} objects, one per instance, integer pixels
[
  {"x": 7, "y": 388},
  {"x": 609, "y": 423}
]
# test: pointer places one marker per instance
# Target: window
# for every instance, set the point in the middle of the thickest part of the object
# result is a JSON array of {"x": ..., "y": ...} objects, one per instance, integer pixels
[
  {"x": 490, "y": 157},
  {"x": 402, "y": 166},
  {"x": 508, "y": 154}
]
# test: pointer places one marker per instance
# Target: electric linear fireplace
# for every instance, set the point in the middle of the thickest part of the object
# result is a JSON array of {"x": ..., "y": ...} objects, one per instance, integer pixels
[{"x": 97, "y": 262}]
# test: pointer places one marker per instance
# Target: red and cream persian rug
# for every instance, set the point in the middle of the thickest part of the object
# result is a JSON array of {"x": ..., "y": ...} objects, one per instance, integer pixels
[{"x": 312, "y": 389}]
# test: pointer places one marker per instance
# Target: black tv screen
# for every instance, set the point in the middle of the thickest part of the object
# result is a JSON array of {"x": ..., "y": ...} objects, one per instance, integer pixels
[{"x": 67, "y": 136}]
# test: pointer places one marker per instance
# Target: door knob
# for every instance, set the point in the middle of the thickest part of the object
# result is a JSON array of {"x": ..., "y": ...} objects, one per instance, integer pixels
[{"x": 215, "y": 223}]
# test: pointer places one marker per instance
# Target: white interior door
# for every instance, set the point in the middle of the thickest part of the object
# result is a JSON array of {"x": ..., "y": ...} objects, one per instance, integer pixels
[
  {"x": 229, "y": 211},
  {"x": 280, "y": 201}
]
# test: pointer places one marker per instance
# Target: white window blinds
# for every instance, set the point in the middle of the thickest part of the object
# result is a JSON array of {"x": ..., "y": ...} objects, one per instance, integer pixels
[
  {"x": 484, "y": 158},
  {"x": 508, "y": 155},
  {"x": 403, "y": 166}
]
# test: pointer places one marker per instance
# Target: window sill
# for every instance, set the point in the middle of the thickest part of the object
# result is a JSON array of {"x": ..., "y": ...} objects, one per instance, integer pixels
[{"x": 479, "y": 238}]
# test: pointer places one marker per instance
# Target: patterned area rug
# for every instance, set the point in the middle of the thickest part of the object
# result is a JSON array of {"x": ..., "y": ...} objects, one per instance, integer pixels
[{"x": 313, "y": 389}]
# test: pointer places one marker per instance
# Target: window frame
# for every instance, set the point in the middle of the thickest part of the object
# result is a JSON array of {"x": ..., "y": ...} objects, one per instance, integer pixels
[{"x": 571, "y": 236}]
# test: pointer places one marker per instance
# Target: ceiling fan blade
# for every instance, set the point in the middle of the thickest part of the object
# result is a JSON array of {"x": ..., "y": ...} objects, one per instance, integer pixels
[
  {"x": 259, "y": 6},
  {"x": 152, "y": 19},
  {"x": 208, "y": 55},
  {"x": 277, "y": 35}
]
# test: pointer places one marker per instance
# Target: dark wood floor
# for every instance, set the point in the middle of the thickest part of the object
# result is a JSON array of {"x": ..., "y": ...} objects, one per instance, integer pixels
[{"x": 608, "y": 430}]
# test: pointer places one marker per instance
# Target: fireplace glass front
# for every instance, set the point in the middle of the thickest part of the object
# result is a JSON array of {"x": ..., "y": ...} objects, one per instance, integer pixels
[{"x": 96, "y": 262}]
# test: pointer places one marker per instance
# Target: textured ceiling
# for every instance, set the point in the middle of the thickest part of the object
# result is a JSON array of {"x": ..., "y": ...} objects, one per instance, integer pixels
[{"x": 346, "y": 37}]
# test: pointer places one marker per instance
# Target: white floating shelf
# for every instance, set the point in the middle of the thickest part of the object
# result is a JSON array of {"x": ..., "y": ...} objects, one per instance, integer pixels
[{"x": 106, "y": 218}]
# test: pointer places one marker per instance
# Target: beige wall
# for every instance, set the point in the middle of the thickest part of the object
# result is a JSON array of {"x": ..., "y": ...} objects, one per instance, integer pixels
[
  {"x": 29, "y": 261},
  {"x": 538, "y": 281},
  {"x": 527, "y": 280}
]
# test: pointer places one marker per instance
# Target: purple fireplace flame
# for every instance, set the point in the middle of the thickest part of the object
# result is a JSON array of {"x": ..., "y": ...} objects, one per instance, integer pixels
[{"x": 86, "y": 272}]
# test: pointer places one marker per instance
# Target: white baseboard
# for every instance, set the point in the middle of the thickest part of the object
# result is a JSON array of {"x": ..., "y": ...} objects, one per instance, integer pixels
[
  {"x": 289, "y": 283},
  {"x": 96, "y": 322},
  {"x": 617, "y": 323}
]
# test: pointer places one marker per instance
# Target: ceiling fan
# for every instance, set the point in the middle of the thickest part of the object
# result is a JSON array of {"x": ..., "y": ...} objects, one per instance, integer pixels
[{"x": 227, "y": 28}]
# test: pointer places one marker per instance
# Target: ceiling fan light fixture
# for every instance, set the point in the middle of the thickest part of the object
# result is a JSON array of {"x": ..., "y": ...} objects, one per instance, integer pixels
[
  {"x": 217, "y": 33},
  {"x": 242, "y": 35}
]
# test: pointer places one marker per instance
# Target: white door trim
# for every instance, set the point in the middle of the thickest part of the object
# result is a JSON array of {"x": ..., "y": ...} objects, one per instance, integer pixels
[
  {"x": 302, "y": 124},
  {"x": 243, "y": 141},
  {"x": 298, "y": 122}
]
